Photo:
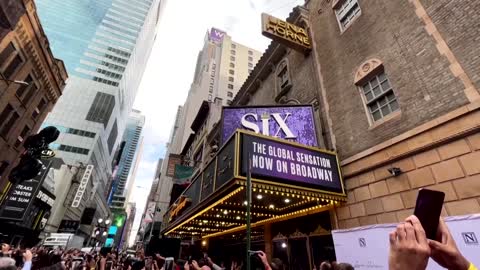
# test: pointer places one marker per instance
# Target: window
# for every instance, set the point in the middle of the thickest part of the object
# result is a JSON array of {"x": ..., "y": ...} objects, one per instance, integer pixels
[
  {"x": 229, "y": 94},
  {"x": 22, "y": 136},
  {"x": 232, "y": 65},
  {"x": 250, "y": 52},
  {"x": 112, "y": 137},
  {"x": 283, "y": 78},
  {"x": 250, "y": 59},
  {"x": 73, "y": 149},
  {"x": 5, "y": 54},
  {"x": 12, "y": 67},
  {"x": 232, "y": 58},
  {"x": 250, "y": 65},
  {"x": 229, "y": 102},
  {"x": 232, "y": 52},
  {"x": 41, "y": 105},
  {"x": 234, "y": 46},
  {"x": 3, "y": 166},
  {"x": 230, "y": 86},
  {"x": 231, "y": 71},
  {"x": 101, "y": 109},
  {"x": 26, "y": 92},
  {"x": 230, "y": 79},
  {"x": 379, "y": 96},
  {"x": 8, "y": 119},
  {"x": 347, "y": 12}
]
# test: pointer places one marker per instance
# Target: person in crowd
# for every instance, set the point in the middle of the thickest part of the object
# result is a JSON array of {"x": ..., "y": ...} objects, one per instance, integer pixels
[
  {"x": 6, "y": 252},
  {"x": 7, "y": 263},
  {"x": 410, "y": 248}
]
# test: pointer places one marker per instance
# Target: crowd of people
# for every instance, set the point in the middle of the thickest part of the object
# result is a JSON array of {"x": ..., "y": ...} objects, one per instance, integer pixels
[{"x": 409, "y": 249}]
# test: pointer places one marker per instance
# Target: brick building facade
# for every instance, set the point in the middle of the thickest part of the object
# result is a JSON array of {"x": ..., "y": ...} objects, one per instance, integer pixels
[
  {"x": 395, "y": 84},
  {"x": 25, "y": 56}
]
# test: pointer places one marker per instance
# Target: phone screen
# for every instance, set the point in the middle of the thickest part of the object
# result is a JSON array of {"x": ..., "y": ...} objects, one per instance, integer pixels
[
  {"x": 168, "y": 263},
  {"x": 428, "y": 209}
]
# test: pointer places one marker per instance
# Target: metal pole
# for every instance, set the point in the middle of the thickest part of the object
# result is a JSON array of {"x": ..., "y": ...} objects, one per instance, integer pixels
[{"x": 249, "y": 201}]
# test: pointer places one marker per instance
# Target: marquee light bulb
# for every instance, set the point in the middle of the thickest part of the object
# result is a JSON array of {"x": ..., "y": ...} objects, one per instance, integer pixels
[
  {"x": 287, "y": 200},
  {"x": 238, "y": 217},
  {"x": 225, "y": 212},
  {"x": 259, "y": 196},
  {"x": 271, "y": 206},
  {"x": 284, "y": 245}
]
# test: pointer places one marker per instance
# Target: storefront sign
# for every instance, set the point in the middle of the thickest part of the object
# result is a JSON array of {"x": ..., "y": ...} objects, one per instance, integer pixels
[
  {"x": 283, "y": 162},
  {"x": 183, "y": 203},
  {"x": 82, "y": 186},
  {"x": 21, "y": 195},
  {"x": 216, "y": 35},
  {"x": 68, "y": 226},
  {"x": 294, "y": 123},
  {"x": 285, "y": 33},
  {"x": 46, "y": 198}
]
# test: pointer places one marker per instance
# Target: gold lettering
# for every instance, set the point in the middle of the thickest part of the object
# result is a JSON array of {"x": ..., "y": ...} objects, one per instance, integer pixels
[
  {"x": 301, "y": 30},
  {"x": 282, "y": 24},
  {"x": 290, "y": 34},
  {"x": 280, "y": 30},
  {"x": 271, "y": 27},
  {"x": 306, "y": 41},
  {"x": 298, "y": 38},
  {"x": 292, "y": 27}
]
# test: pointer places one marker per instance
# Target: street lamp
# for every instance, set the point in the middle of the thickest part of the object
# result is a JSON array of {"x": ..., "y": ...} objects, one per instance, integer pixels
[{"x": 15, "y": 81}]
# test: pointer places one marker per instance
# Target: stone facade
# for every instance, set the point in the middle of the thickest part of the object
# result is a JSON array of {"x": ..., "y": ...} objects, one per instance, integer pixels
[
  {"x": 23, "y": 108},
  {"x": 428, "y": 54}
]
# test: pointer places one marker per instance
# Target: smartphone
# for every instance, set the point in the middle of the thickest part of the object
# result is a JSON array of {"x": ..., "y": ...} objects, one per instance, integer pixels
[
  {"x": 428, "y": 209},
  {"x": 168, "y": 263}
]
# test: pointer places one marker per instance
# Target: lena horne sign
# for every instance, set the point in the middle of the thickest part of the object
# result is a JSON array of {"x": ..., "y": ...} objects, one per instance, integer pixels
[
  {"x": 285, "y": 33},
  {"x": 284, "y": 162},
  {"x": 293, "y": 123}
]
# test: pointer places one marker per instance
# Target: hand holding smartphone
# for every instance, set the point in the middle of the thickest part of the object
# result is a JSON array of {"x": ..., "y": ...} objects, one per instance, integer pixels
[{"x": 428, "y": 209}]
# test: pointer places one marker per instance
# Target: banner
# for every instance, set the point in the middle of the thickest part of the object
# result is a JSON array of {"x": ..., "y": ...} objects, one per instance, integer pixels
[
  {"x": 285, "y": 162},
  {"x": 294, "y": 123},
  {"x": 368, "y": 247},
  {"x": 182, "y": 173}
]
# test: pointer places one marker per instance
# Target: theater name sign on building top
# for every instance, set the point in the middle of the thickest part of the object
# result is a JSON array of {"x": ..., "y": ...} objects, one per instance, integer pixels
[{"x": 285, "y": 33}]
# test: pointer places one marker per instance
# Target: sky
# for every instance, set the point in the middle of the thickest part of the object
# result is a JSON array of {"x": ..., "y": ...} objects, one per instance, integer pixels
[{"x": 171, "y": 66}]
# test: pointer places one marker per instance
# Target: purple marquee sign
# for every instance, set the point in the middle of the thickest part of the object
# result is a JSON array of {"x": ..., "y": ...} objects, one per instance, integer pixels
[
  {"x": 216, "y": 35},
  {"x": 291, "y": 164},
  {"x": 293, "y": 123}
]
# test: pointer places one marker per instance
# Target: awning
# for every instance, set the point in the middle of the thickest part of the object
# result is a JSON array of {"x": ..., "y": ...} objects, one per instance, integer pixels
[{"x": 289, "y": 180}]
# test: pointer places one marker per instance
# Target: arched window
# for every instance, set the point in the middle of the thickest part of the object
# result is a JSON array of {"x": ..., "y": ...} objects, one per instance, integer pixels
[
  {"x": 376, "y": 91},
  {"x": 283, "y": 79}
]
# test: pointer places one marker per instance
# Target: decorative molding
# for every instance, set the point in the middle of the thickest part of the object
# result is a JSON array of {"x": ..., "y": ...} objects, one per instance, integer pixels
[
  {"x": 297, "y": 234},
  {"x": 320, "y": 231},
  {"x": 279, "y": 237},
  {"x": 366, "y": 68}
]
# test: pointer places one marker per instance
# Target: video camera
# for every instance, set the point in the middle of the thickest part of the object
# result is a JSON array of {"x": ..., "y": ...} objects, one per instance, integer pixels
[{"x": 36, "y": 148}]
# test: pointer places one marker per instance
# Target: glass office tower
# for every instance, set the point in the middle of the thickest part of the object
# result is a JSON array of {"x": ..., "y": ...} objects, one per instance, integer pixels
[
  {"x": 105, "y": 45},
  {"x": 128, "y": 162}
]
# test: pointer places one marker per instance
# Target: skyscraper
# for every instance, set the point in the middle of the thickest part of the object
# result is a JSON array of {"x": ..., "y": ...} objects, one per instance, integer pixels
[
  {"x": 222, "y": 67},
  {"x": 129, "y": 159},
  {"x": 105, "y": 44}
]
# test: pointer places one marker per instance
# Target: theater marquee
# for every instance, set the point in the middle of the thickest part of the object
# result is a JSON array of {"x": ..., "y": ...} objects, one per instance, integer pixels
[
  {"x": 288, "y": 34},
  {"x": 289, "y": 180}
]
